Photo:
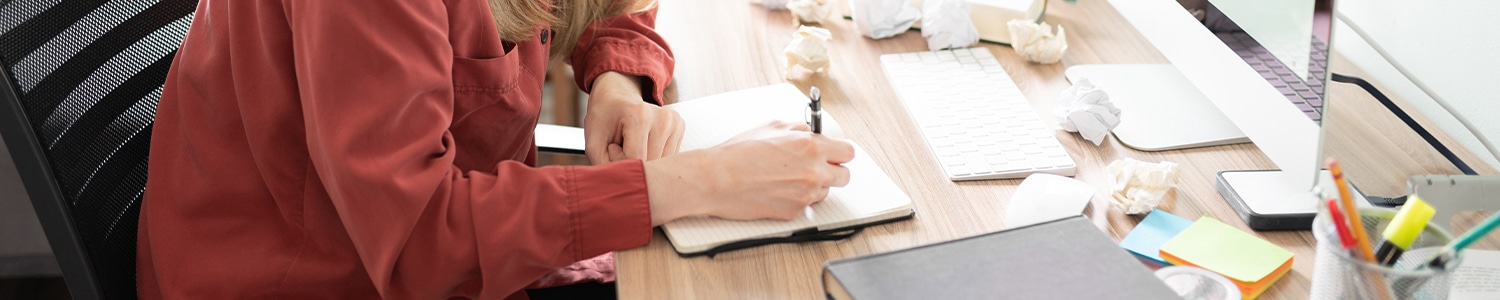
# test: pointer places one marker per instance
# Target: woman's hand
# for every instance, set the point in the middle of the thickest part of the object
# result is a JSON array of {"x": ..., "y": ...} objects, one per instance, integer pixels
[
  {"x": 774, "y": 171},
  {"x": 619, "y": 125}
]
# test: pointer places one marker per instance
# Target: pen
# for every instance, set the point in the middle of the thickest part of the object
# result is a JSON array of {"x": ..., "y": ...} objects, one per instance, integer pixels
[
  {"x": 1440, "y": 262},
  {"x": 1464, "y": 240},
  {"x": 815, "y": 112},
  {"x": 1346, "y": 239},
  {"x": 1403, "y": 229},
  {"x": 1356, "y": 223}
]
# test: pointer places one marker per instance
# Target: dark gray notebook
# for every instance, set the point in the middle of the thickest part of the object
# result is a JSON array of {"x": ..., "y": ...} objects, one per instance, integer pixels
[{"x": 1062, "y": 259}]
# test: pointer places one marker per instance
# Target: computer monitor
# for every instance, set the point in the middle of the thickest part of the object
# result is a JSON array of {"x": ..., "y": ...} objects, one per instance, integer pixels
[{"x": 1284, "y": 32}]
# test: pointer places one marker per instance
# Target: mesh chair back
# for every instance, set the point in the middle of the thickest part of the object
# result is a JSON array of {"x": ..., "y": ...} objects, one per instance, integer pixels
[{"x": 78, "y": 104}]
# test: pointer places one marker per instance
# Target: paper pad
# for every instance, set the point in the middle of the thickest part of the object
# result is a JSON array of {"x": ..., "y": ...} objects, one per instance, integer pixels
[
  {"x": 1154, "y": 231},
  {"x": 1252, "y": 263}
]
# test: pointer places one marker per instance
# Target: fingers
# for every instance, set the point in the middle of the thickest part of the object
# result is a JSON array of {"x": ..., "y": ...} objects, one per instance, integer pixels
[
  {"x": 818, "y": 196},
  {"x": 793, "y": 126},
  {"x": 615, "y": 152},
  {"x": 835, "y": 151},
  {"x": 594, "y": 144},
  {"x": 835, "y": 176},
  {"x": 636, "y": 134},
  {"x": 656, "y": 144},
  {"x": 674, "y": 141},
  {"x": 597, "y": 134}
]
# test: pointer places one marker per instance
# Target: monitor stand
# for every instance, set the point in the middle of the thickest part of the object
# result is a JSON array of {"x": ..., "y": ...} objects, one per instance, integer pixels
[
  {"x": 1266, "y": 202},
  {"x": 1160, "y": 109}
]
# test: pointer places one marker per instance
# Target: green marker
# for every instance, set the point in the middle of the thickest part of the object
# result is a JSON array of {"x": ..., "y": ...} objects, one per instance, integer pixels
[{"x": 1403, "y": 230}]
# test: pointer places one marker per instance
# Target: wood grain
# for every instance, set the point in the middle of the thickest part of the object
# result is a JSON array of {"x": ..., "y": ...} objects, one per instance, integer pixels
[{"x": 723, "y": 46}]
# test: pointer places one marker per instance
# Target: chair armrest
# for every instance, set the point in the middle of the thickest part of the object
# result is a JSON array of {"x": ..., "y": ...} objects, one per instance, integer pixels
[{"x": 559, "y": 139}]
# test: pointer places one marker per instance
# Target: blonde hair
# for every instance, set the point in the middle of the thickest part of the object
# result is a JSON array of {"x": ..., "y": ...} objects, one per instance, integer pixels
[{"x": 517, "y": 20}]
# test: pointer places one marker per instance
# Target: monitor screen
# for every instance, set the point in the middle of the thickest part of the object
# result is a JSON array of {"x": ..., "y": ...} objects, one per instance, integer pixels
[{"x": 1286, "y": 41}]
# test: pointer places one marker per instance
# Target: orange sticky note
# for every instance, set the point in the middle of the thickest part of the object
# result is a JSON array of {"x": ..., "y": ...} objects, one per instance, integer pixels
[{"x": 1251, "y": 262}]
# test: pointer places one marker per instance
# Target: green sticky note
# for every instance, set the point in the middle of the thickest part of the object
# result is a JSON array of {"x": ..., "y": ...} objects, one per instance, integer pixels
[{"x": 1226, "y": 250}]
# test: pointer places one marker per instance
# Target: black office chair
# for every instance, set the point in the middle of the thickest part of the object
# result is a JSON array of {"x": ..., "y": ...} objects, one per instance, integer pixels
[
  {"x": 81, "y": 83},
  {"x": 81, "y": 80}
]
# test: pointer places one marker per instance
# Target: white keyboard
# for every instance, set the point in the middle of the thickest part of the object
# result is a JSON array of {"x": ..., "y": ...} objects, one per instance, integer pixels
[{"x": 973, "y": 116}]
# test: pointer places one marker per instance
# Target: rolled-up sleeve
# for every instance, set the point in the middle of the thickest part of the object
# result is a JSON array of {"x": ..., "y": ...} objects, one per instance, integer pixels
[
  {"x": 375, "y": 81},
  {"x": 627, "y": 44}
]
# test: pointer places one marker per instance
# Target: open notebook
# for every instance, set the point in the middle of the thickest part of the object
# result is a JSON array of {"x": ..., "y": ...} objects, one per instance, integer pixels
[{"x": 870, "y": 198}]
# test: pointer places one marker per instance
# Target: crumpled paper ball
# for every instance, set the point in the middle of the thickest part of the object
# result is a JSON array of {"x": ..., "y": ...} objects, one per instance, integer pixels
[
  {"x": 809, "y": 48},
  {"x": 810, "y": 11},
  {"x": 946, "y": 24},
  {"x": 1086, "y": 109},
  {"x": 773, "y": 4},
  {"x": 878, "y": 19},
  {"x": 1036, "y": 43},
  {"x": 1137, "y": 187}
]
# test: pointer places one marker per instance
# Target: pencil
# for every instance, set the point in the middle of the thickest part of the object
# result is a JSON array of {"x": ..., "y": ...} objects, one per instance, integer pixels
[
  {"x": 1357, "y": 227},
  {"x": 1356, "y": 224}
]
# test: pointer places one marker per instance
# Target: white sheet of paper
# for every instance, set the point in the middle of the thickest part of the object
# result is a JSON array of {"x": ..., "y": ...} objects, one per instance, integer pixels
[{"x": 1478, "y": 277}]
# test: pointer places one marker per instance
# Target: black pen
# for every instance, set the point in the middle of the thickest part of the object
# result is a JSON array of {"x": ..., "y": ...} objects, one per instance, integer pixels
[{"x": 815, "y": 112}]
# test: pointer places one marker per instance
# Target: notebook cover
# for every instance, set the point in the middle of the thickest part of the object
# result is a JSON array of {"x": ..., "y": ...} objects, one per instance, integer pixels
[
  {"x": 1061, "y": 259},
  {"x": 808, "y": 235}
]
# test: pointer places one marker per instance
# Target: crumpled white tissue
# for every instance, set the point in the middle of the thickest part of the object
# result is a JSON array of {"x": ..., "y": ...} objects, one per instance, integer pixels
[
  {"x": 880, "y": 19},
  {"x": 1035, "y": 42},
  {"x": 1086, "y": 109},
  {"x": 773, "y": 4},
  {"x": 810, "y": 11},
  {"x": 1137, "y": 187},
  {"x": 809, "y": 48},
  {"x": 946, "y": 24}
]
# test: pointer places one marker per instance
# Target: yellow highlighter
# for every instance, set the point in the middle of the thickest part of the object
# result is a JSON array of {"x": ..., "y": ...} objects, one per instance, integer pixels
[{"x": 1403, "y": 230}]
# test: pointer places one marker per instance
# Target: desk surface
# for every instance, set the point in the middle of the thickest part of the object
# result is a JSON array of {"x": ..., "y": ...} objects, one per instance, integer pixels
[{"x": 730, "y": 45}]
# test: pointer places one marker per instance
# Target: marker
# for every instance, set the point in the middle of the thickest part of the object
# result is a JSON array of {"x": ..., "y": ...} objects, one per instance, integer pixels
[
  {"x": 1356, "y": 223},
  {"x": 815, "y": 111},
  {"x": 1440, "y": 262},
  {"x": 1403, "y": 230},
  {"x": 1346, "y": 238},
  {"x": 1463, "y": 241}
]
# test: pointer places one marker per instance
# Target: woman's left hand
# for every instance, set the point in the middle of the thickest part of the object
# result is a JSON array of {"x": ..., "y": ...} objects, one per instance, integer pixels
[{"x": 620, "y": 125}]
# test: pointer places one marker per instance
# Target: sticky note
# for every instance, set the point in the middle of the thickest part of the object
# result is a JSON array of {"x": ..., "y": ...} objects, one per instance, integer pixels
[
  {"x": 1153, "y": 231},
  {"x": 1226, "y": 250}
]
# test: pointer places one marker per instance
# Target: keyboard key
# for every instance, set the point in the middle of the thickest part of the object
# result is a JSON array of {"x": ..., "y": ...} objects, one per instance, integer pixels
[{"x": 958, "y": 170}]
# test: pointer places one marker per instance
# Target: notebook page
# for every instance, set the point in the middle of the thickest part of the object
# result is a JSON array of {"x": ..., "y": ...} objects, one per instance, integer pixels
[
  {"x": 870, "y": 196},
  {"x": 714, "y": 119}
]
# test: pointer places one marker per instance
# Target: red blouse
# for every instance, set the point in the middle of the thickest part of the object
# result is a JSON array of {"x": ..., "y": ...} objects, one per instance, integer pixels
[{"x": 347, "y": 149}]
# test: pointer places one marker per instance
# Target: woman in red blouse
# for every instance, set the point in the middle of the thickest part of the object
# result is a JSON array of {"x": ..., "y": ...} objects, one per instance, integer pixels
[{"x": 356, "y": 149}]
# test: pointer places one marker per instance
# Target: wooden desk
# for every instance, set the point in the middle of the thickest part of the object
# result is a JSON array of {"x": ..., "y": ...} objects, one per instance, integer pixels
[{"x": 730, "y": 45}]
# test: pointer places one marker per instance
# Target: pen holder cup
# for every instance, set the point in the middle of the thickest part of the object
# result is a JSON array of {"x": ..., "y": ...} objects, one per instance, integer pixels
[{"x": 1339, "y": 274}]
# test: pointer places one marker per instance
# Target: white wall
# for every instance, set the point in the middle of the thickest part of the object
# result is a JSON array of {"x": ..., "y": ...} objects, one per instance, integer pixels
[{"x": 1452, "y": 46}]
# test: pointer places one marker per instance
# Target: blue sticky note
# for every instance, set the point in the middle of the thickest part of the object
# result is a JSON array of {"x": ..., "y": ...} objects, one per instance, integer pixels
[{"x": 1148, "y": 236}]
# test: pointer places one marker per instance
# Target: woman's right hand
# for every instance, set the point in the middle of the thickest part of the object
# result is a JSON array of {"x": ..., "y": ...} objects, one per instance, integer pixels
[{"x": 773, "y": 171}]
